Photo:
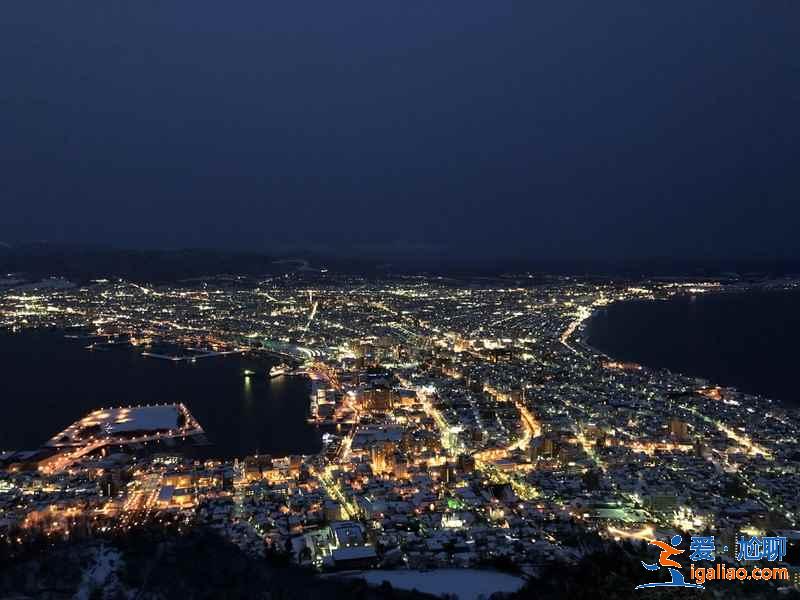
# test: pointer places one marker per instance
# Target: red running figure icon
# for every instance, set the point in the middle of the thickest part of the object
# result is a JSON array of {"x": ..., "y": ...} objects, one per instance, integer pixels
[{"x": 672, "y": 566}]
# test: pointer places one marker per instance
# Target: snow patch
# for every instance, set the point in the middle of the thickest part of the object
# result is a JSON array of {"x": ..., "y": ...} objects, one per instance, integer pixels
[
  {"x": 101, "y": 575},
  {"x": 466, "y": 584}
]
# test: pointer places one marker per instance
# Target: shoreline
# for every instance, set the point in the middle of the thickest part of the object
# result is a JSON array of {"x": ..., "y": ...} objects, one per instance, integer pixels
[
  {"x": 579, "y": 338},
  {"x": 155, "y": 381}
]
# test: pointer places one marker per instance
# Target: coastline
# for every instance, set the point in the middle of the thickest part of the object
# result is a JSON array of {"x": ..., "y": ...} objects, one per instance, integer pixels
[
  {"x": 580, "y": 339},
  {"x": 255, "y": 414}
]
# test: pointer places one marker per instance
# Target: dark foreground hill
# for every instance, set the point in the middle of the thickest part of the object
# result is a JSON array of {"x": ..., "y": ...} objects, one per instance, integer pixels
[
  {"x": 188, "y": 566},
  {"x": 199, "y": 564}
]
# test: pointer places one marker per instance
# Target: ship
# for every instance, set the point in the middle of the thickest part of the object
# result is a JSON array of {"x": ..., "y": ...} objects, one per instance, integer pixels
[{"x": 278, "y": 370}]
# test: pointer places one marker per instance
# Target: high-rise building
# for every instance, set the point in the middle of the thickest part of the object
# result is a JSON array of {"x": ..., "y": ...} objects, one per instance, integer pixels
[
  {"x": 377, "y": 398},
  {"x": 382, "y": 457},
  {"x": 678, "y": 430}
]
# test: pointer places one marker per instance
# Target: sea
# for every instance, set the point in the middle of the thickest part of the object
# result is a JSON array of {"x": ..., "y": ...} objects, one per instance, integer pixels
[
  {"x": 747, "y": 340},
  {"x": 48, "y": 381}
]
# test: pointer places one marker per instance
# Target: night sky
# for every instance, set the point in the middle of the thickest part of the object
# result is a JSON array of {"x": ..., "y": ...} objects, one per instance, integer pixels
[{"x": 434, "y": 128}]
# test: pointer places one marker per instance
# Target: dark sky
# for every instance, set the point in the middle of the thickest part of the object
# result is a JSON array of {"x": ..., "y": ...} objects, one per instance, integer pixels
[{"x": 454, "y": 127}]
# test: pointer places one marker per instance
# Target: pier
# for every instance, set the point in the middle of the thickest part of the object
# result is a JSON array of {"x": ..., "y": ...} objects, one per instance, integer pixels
[
  {"x": 123, "y": 426},
  {"x": 200, "y": 354}
]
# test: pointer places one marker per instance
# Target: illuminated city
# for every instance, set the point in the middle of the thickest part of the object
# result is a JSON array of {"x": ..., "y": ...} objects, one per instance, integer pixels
[
  {"x": 452, "y": 300},
  {"x": 461, "y": 425}
]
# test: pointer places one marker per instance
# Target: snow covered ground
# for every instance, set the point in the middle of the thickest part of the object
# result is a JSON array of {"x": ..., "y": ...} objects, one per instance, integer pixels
[
  {"x": 101, "y": 575},
  {"x": 467, "y": 584},
  {"x": 142, "y": 418}
]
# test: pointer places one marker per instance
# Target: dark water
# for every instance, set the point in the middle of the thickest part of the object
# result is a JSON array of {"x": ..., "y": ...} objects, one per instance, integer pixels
[
  {"x": 47, "y": 382},
  {"x": 746, "y": 340}
]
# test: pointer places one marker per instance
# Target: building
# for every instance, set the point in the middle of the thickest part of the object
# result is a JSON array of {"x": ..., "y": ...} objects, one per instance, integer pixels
[
  {"x": 678, "y": 430},
  {"x": 382, "y": 456}
]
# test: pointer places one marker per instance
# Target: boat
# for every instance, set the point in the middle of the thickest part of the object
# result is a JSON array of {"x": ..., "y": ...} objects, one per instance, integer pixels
[{"x": 278, "y": 370}]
